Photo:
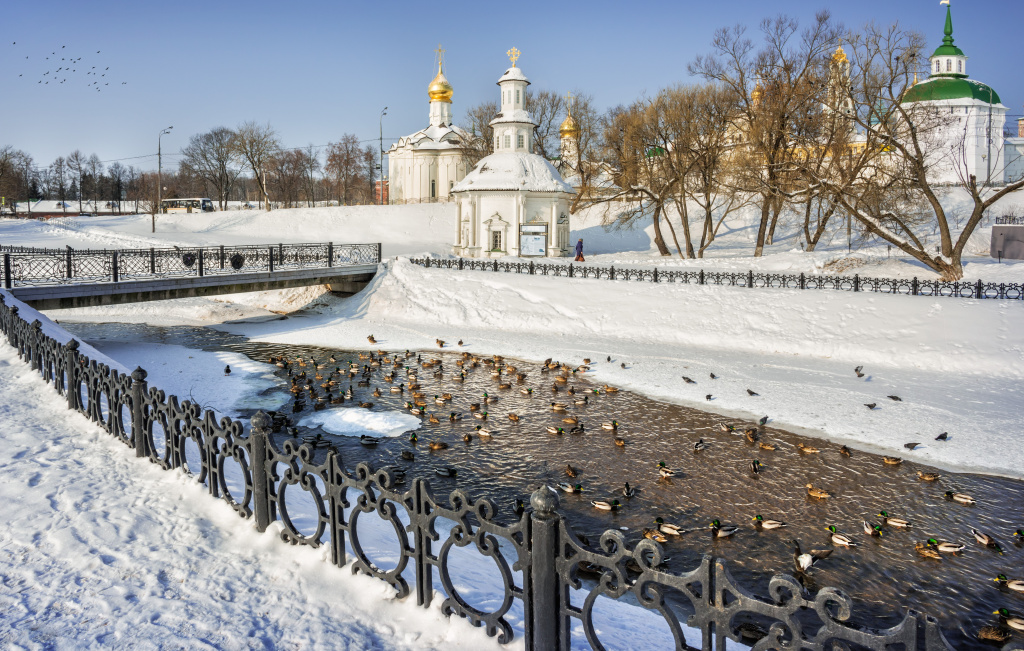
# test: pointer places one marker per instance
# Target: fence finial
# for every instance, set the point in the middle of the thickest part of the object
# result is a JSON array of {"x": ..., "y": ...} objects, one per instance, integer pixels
[
  {"x": 544, "y": 501},
  {"x": 139, "y": 374},
  {"x": 260, "y": 420}
]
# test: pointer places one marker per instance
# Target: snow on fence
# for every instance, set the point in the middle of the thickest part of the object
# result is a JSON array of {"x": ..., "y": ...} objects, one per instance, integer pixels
[
  {"x": 854, "y": 283},
  {"x": 27, "y": 266},
  {"x": 541, "y": 562}
]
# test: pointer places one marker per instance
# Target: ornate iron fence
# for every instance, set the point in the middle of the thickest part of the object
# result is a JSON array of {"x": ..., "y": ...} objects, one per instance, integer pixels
[
  {"x": 541, "y": 561},
  {"x": 854, "y": 283},
  {"x": 26, "y": 266}
]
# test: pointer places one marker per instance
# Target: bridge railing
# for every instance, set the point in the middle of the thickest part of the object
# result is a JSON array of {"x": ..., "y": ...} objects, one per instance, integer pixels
[{"x": 33, "y": 267}]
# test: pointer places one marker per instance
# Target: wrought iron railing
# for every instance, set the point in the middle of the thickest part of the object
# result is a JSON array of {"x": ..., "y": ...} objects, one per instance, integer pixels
[
  {"x": 1009, "y": 221},
  {"x": 24, "y": 266},
  {"x": 751, "y": 279},
  {"x": 541, "y": 561}
]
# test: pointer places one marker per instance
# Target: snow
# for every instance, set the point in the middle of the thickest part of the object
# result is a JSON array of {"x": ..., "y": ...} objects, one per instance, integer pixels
[
  {"x": 355, "y": 421},
  {"x": 514, "y": 74},
  {"x": 513, "y": 171}
]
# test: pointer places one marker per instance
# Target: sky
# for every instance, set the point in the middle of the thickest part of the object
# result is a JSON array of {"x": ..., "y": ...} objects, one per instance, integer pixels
[{"x": 315, "y": 69}]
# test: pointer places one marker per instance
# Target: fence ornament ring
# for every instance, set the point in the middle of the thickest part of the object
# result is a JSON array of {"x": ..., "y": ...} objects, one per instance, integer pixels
[
  {"x": 386, "y": 510},
  {"x": 237, "y": 261},
  {"x": 188, "y": 259}
]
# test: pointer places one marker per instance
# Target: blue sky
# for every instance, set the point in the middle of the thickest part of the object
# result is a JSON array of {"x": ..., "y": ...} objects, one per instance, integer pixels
[{"x": 317, "y": 69}]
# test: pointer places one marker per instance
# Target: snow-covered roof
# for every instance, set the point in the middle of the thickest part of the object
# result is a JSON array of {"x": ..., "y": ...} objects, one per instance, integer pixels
[
  {"x": 513, "y": 74},
  {"x": 513, "y": 171},
  {"x": 516, "y": 115},
  {"x": 433, "y": 137}
]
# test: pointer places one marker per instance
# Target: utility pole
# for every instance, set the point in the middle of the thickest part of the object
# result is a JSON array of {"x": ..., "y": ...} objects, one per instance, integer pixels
[
  {"x": 159, "y": 176},
  {"x": 381, "y": 187}
]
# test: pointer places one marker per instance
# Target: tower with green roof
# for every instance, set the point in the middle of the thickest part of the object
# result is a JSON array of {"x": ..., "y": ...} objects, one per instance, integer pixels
[{"x": 971, "y": 139}]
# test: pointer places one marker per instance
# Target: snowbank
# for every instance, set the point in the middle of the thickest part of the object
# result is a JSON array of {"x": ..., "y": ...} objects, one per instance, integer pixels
[{"x": 354, "y": 421}]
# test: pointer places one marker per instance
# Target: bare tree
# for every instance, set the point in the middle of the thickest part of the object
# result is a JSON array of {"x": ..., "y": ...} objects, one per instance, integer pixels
[
  {"x": 287, "y": 170},
  {"x": 77, "y": 165},
  {"x": 345, "y": 167},
  {"x": 310, "y": 168},
  {"x": 256, "y": 144},
  {"x": 58, "y": 173},
  {"x": 480, "y": 141},
  {"x": 548, "y": 109},
  {"x": 212, "y": 157}
]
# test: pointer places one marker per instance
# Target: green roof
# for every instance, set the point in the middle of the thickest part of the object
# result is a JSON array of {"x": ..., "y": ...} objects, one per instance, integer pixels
[
  {"x": 947, "y": 48},
  {"x": 940, "y": 88}
]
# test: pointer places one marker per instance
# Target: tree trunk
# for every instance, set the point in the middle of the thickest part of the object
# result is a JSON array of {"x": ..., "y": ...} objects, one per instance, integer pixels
[
  {"x": 684, "y": 216},
  {"x": 777, "y": 204},
  {"x": 765, "y": 215},
  {"x": 658, "y": 239}
]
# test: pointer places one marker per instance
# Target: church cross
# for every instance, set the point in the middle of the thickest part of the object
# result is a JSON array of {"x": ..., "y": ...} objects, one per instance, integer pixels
[
  {"x": 440, "y": 55},
  {"x": 513, "y": 56},
  {"x": 568, "y": 102}
]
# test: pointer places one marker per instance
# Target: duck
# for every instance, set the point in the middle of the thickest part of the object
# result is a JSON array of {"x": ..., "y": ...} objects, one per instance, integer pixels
[
  {"x": 610, "y": 425},
  {"x": 619, "y": 441},
  {"x": 804, "y": 561},
  {"x": 551, "y": 429},
  {"x": 399, "y": 389},
  {"x": 581, "y": 402},
  {"x": 439, "y": 400},
  {"x": 807, "y": 449},
  {"x": 845, "y": 451},
  {"x": 664, "y": 470},
  {"x": 699, "y": 445},
  {"x": 434, "y": 420},
  {"x": 571, "y": 420},
  {"x": 608, "y": 389},
  {"x": 767, "y": 525},
  {"x": 570, "y": 488},
  {"x": 987, "y": 540},
  {"x": 726, "y": 428},
  {"x": 480, "y": 415},
  {"x": 892, "y": 461},
  {"x": 376, "y": 392},
  {"x": 945, "y": 547},
  {"x": 962, "y": 498},
  {"x": 488, "y": 433},
  {"x": 899, "y": 523},
  {"x": 819, "y": 493},
  {"x": 751, "y": 434},
  {"x": 413, "y": 438},
  {"x": 755, "y": 467},
  {"x": 841, "y": 539},
  {"x": 871, "y": 529},
  {"x": 526, "y": 392},
  {"x": 369, "y": 440},
  {"x": 1016, "y": 622},
  {"x": 558, "y": 406},
  {"x": 628, "y": 491},
  {"x": 467, "y": 438},
  {"x": 667, "y": 527},
  {"x": 928, "y": 476},
  {"x": 718, "y": 531},
  {"x": 994, "y": 634},
  {"x": 514, "y": 418},
  {"x": 766, "y": 446},
  {"x": 447, "y": 471},
  {"x": 438, "y": 445},
  {"x": 518, "y": 507},
  {"x": 926, "y": 550},
  {"x": 572, "y": 472},
  {"x": 1016, "y": 586},
  {"x": 579, "y": 429},
  {"x": 454, "y": 417},
  {"x": 655, "y": 535},
  {"x": 605, "y": 505},
  {"x": 408, "y": 455},
  {"x": 474, "y": 406}
]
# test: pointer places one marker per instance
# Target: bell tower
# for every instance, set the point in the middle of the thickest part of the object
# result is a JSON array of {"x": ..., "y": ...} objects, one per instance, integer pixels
[{"x": 513, "y": 128}]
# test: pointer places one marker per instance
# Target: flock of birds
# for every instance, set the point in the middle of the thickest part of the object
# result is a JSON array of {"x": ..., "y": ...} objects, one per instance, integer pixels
[
  {"x": 64, "y": 68},
  {"x": 320, "y": 382}
]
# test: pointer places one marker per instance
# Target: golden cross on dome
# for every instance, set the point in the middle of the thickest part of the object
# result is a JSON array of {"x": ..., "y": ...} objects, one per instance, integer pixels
[
  {"x": 513, "y": 56},
  {"x": 568, "y": 101},
  {"x": 440, "y": 54}
]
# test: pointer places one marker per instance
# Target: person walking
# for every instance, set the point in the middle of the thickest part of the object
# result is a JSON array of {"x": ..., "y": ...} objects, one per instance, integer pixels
[{"x": 579, "y": 251}]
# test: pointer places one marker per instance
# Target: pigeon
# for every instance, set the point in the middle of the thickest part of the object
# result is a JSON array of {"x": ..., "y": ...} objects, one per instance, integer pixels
[
  {"x": 870, "y": 405},
  {"x": 623, "y": 364},
  {"x": 708, "y": 397},
  {"x": 227, "y": 370},
  {"x": 942, "y": 437},
  {"x": 752, "y": 393},
  {"x": 714, "y": 377},
  {"x": 858, "y": 371},
  {"x": 609, "y": 358},
  {"x": 688, "y": 380},
  {"x": 911, "y": 446},
  {"x": 764, "y": 419},
  {"x": 895, "y": 398}
]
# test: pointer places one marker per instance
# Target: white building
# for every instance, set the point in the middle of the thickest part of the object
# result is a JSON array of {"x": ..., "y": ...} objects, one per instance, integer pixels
[
  {"x": 425, "y": 166},
  {"x": 970, "y": 141},
  {"x": 514, "y": 202}
]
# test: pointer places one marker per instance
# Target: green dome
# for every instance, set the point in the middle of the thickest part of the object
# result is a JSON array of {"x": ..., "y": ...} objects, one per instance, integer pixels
[
  {"x": 947, "y": 48},
  {"x": 943, "y": 88}
]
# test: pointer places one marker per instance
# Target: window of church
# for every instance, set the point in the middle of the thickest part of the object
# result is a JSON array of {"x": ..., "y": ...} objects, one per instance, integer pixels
[
  {"x": 938, "y": 66},
  {"x": 508, "y": 141},
  {"x": 495, "y": 240},
  {"x": 519, "y": 141},
  {"x": 949, "y": 65},
  {"x": 433, "y": 189},
  {"x": 959, "y": 66},
  {"x": 517, "y": 97}
]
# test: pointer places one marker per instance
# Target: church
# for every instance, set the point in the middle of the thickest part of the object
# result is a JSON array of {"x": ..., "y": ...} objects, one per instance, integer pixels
[
  {"x": 514, "y": 202},
  {"x": 971, "y": 141}
]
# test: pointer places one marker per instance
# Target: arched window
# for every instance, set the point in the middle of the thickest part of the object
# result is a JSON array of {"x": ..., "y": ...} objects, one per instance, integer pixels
[
  {"x": 519, "y": 141},
  {"x": 938, "y": 66},
  {"x": 433, "y": 188},
  {"x": 517, "y": 97},
  {"x": 508, "y": 141},
  {"x": 959, "y": 65},
  {"x": 949, "y": 65}
]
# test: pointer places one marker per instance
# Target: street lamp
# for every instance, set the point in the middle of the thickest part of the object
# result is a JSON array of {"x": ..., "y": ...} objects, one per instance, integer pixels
[
  {"x": 381, "y": 189},
  {"x": 159, "y": 174}
]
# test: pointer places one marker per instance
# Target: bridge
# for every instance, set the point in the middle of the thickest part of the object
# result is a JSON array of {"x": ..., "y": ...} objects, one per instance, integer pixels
[{"x": 67, "y": 278}]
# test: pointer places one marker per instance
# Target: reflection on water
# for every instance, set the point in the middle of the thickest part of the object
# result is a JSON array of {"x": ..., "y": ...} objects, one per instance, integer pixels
[{"x": 884, "y": 576}]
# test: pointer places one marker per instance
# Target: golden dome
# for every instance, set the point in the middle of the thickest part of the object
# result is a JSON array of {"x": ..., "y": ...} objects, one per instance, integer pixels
[
  {"x": 839, "y": 56},
  {"x": 440, "y": 90},
  {"x": 569, "y": 128}
]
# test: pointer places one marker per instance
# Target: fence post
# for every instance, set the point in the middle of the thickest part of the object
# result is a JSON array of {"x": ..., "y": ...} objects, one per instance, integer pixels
[
  {"x": 495, "y": 265},
  {"x": 531, "y": 267},
  {"x": 139, "y": 388},
  {"x": 545, "y": 619},
  {"x": 7, "y": 271},
  {"x": 201, "y": 256},
  {"x": 113, "y": 266},
  {"x": 655, "y": 274},
  {"x": 611, "y": 273},
  {"x": 700, "y": 277},
  {"x": 152, "y": 261},
  {"x": 71, "y": 367},
  {"x": 258, "y": 467},
  {"x": 67, "y": 258},
  {"x": 461, "y": 260},
  {"x": 280, "y": 253},
  {"x": 36, "y": 363},
  {"x": 570, "y": 270},
  {"x": 271, "y": 250},
  {"x": 914, "y": 285},
  {"x": 750, "y": 278},
  {"x": 856, "y": 282},
  {"x": 379, "y": 258},
  {"x": 803, "y": 281},
  {"x": 978, "y": 288},
  {"x": 330, "y": 254},
  {"x": 221, "y": 256},
  {"x": 426, "y": 263}
]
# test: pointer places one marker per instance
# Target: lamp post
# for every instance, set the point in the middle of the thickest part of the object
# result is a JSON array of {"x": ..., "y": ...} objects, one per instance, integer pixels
[
  {"x": 381, "y": 189},
  {"x": 159, "y": 174}
]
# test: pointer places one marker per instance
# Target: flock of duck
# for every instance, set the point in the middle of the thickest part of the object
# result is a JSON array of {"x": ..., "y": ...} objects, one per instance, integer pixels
[{"x": 321, "y": 383}]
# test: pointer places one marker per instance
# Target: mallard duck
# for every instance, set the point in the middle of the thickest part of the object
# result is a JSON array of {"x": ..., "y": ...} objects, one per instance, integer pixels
[
  {"x": 819, "y": 493},
  {"x": 526, "y": 392},
  {"x": 804, "y": 561},
  {"x": 445, "y": 472},
  {"x": 480, "y": 415},
  {"x": 1016, "y": 586},
  {"x": 454, "y": 417},
  {"x": 841, "y": 538},
  {"x": 871, "y": 529},
  {"x": 655, "y": 535},
  {"x": 580, "y": 402},
  {"x": 987, "y": 540},
  {"x": 605, "y": 505},
  {"x": 579, "y": 429},
  {"x": 572, "y": 472},
  {"x": 612, "y": 425},
  {"x": 474, "y": 406},
  {"x": 928, "y": 476},
  {"x": 1016, "y": 622},
  {"x": 484, "y": 432},
  {"x": 558, "y": 406},
  {"x": 761, "y": 523},
  {"x": 376, "y": 392},
  {"x": 807, "y": 449},
  {"x": 608, "y": 389},
  {"x": 518, "y": 507},
  {"x": 946, "y": 547},
  {"x": 668, "y": 528},
  {"x": 899, "y": 523},
  {"x": 994, "y": 634},
  {"x": 755, "y": 467},
  {"x": 699, "y": 445},
  {"x": 438, "y": 445},
  {"x": 751, "y": 434},
  {"x": 1018, "y": 535},
  {"x": 726, "y": 428},
  {"x": 369, "y": 440},
  {"x": 664, "y": 470},
  {"x": 628, "y": 491},
  {"x": 371, "y": 339},
  {"x": 845, "y": 451},
  {"x": 765, "y": 446},
  {"x": 514, "y": 418},
  {"x": 434, "y": 420},
  {"x": 570, "y": 488},
  {"x": 413, "y": 438},
  {"x": 551, "y": 429},
  {"x": 962, "y": 498},
  {"x": 718, "y": 531},
  {"x": 438, "y": 400},
  {"x": 467, "y": 438},
  {"x": 399, "y": 389},
  {"x": 490, "y": 399},
  {"x": 571, "y": 420},
  {"x": 926, "y": 550},
  {"x": 619, "y": 441},
  {"x": 892, "y": 461},
  {"x": 408, "y": 455}
]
